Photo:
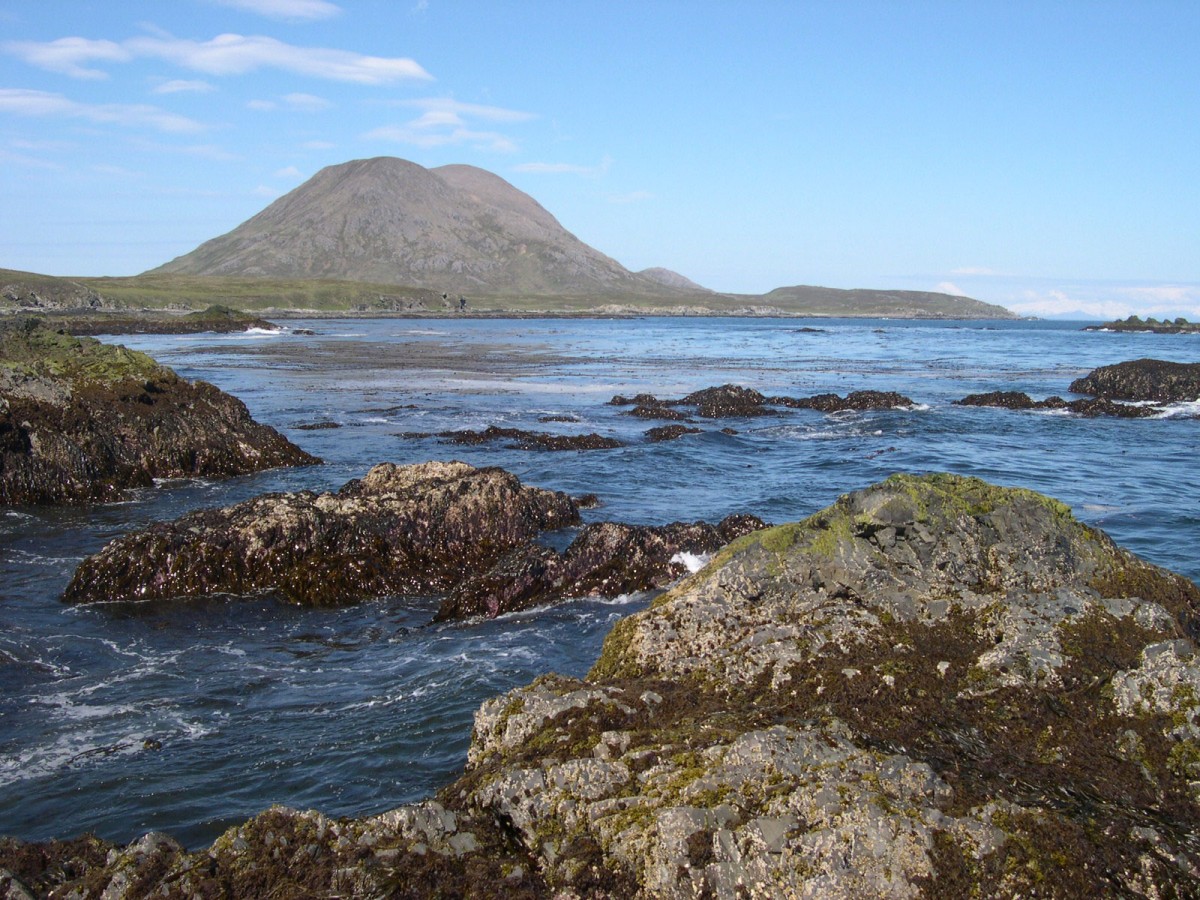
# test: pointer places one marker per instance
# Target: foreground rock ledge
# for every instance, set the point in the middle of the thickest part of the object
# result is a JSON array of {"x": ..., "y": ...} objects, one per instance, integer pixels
[
  {"x": 936, "y": 687},
  {"x": 82, "y": 421}
]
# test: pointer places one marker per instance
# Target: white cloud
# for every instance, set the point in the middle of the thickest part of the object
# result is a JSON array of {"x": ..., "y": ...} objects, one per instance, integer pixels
[
  {"x": 181, "y": 86},
  {"x": 261, "y": 105},
  {"x": 235, "y": 54},
  {"x": 43, "y": 103},
  {"x": 543, "y": 168},
  {"x": 427, "y": 137},
  {"x": 287, "y": 10},
  {"x": 31, "y": 162},
  {"x": 69, "y": 55},
  {"x": 290, "y": 172},
  {"x": 448, "y": 106},
  {"x": 265, "y": 191},
  {"x": 445, "y": 122},
  {"x": 318, "y": 145},
  {"x": 306, "y": 102},
  {"x": 949, "y": 287}
]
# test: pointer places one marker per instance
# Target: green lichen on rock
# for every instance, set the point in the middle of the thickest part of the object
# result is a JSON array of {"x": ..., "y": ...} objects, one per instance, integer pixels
[{"x": 29, "y": 346}]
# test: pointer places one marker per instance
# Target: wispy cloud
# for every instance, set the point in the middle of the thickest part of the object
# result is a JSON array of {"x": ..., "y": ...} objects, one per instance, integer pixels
[
  {"x": 45, "y": 104},
  {"x": 445, "y": 122},
  {"x": 69, "y": 55},
  {"x": 287, "y": 10},
  {"x": 318, "y": 145},
  {"x": 545, "y": 168},
  {"x": 267, "y": 191},
  {"x": 226, "y": 54},
  {"x": 235, "y": 54},
  {"x": 306, "y": 102},
  {"x": 24, "y": 159},
  {"x": 181, "y": 86},
  {"x": 290, "y": 172}
]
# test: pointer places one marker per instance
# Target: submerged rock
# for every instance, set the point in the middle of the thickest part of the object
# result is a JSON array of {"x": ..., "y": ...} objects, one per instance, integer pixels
[
  {"x": 731, "y": 400},
  {"x": 606, "y": 558},
  {"x": 81, "y": 421},
  {"x": 1089, "y": 408},
  {"x": 935, "y": 687},
  {"x": 1143, "y": 379},
  {"x": 670, "y": 433},
  {"x": 399, "y": 530}
]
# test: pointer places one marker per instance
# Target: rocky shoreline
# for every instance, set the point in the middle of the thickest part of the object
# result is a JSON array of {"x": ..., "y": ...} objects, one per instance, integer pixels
[{"x": 934, "y": 687}]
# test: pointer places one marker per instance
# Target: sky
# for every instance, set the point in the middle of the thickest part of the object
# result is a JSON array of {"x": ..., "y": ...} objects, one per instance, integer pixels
[{"x": 1039, "y": 154}]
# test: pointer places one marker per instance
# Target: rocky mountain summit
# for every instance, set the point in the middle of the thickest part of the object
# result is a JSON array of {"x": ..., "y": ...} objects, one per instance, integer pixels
[
  {"x": 81, "y": 421},
  {"x": 935, "y": 687},
  {"x": 454, "y": 228}
]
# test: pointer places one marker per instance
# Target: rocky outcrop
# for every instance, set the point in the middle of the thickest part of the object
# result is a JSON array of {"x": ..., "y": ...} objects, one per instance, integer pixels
[
  {"x": 216, "y": 319},
  {"x": 1134, "y": 324},
  {"x": 399, "y": 530},
  {"x": 82, "y": 421},
  {"x": 1089, "y": 407},
  {"x": 736, "y": 401},
  {"x": 935, "y": 687},
  {"x": 606, "y": 559},
  {"x": 1143, "y": 379},
  {"x": 669, "y": 433},
  {"x": 520, "y": 439}
]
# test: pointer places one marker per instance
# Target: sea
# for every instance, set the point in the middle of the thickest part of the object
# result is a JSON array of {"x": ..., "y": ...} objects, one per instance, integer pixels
[{"x": 191, "y": 716}]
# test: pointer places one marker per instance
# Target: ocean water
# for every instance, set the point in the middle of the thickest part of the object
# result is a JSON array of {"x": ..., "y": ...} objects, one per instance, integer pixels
[{"x": 192, "y": 716}]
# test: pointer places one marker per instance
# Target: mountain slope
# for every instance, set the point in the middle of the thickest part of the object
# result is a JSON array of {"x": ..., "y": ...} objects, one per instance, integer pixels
[
  {"x": 823, "y": 301},
  {"x": 455, "y": 228}
]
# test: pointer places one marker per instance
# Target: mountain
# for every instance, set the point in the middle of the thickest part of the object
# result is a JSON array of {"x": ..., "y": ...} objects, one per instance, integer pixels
[
  {"x": 672, "y": 279},
  {"x": 455, "y": 229}
]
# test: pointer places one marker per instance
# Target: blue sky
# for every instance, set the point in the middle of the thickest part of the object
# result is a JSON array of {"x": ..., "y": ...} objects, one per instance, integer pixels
[{"x": 1042, "y": 155}]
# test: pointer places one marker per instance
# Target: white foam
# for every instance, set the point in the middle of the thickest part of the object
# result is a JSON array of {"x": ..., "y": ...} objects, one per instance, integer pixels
[
  {"x": 693, "y": 562},
  {"x": 1189, "y": 409}
]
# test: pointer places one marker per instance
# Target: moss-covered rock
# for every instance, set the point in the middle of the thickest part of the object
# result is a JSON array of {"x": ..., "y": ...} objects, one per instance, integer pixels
[{"x": 81, "y": 421}]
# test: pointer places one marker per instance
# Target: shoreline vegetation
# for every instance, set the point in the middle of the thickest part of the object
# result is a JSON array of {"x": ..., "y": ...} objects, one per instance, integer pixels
[{"x": 159, "y": 294}]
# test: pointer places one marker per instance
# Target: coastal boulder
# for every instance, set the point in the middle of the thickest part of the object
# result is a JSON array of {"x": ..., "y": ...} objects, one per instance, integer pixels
[
  {"x": 399, "y": 530},
  {"x": 605, "y": 559},
  {"x": 935, "y": 687},
  {"x": 81, "y": 421},
  {"x": 1142, "y": 379}
]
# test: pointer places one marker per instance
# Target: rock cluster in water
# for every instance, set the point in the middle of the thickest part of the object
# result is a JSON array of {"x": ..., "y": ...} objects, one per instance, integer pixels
[
  {"x": 934, "y": 687},
  {"x": 81, "y": 421},
  {"x": 1143, "y": 379},
  {"x": 736, "y": 401},
  {"x": 431, "y": 528}
]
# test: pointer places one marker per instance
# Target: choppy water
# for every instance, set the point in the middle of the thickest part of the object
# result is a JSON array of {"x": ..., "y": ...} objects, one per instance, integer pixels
[{"x": 355, "y": 711}]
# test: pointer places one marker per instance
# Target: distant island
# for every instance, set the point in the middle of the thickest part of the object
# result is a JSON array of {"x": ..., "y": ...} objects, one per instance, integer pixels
[
  {"x": 1149, "y": 324},
  {"x": 385, "y": 235}
]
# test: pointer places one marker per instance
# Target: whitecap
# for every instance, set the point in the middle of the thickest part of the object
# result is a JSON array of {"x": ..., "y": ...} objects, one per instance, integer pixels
[
  {"x": 693, "y": 562},
  {"x": 1188, "y": 409}
]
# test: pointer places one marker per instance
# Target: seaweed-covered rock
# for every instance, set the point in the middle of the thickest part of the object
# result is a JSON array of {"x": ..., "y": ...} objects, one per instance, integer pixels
[
  {"x": 855, "y": 400},
  {"x": 81, "y": 421},
  {"x": 520, "y": 439},
  {"x": 726, "y": 401},
  {"x": 1002, "y": 399},
  {"x": 669, "y": 433},
  {"x": 1142, "y": 379},
  {"x": 399, "y": 530},
  {"x": 606, "y": 558},
  {"x": 936, "y": 687},
  {"x": 1091, "y": 407}
]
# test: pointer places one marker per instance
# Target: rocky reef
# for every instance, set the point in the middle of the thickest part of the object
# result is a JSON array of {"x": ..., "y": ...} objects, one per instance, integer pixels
[
  {"x": 399, "y": 530},
  {"x": 218, "y": 319},
  {"x": 81, "y": 421},
  {"x": 935, "y": 687},
  {"x": 520, "y": 439},
  {"x": 1143, "y": 379},
  {"x": 1088, "y": 407},
  {"x": 1136, "y": 324},
  {"x": 736, "y": 401},
  {"x": 606, "y": 558}
]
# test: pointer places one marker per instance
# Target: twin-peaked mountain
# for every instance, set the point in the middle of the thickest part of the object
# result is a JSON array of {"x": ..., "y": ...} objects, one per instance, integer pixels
[
  {"x": 388, "y": 221},
  {"x": 462, "y": 230}
]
